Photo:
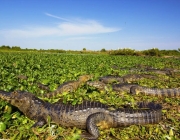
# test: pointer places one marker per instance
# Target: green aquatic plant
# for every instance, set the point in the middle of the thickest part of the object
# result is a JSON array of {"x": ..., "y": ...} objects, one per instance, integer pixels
[{"x": 55, "y": 69}]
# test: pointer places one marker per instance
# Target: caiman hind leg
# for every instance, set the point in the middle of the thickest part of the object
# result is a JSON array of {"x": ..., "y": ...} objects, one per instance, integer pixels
[
  {"x": 100, "y": 119},
  {"x": 39, "y": 123}
]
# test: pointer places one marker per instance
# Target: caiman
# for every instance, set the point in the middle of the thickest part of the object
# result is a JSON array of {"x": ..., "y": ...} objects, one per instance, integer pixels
[
  {"x": 100, "y": 86},
  {"x": 162, "y": 72},
  {"x": 136, "y": 89},
  {"x": 87, "y": 115},
  {"x": 69, "y": 86},
  {"x": 146, "y": 68},
  {"x": 163, "y": 92},
  {"x": 43, "y": 87},
  {"x": 135, "y": 68},
  {"x": 125, "y": 79}
]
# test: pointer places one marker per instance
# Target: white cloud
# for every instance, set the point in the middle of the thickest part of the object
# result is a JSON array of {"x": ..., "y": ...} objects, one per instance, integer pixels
[
  {"x": 69, "y": 27},
  {"x": 80, "y": 38},
  {"x": 50, "y": 15},
  {"x": 28, "y": 32},
  {"x": 90, "y": 27}
]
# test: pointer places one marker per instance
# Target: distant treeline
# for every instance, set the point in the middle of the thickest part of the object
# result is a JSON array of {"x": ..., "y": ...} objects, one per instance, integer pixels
[
  {"x": 150, "y": 52},
  {"x": 125, "y": 51},
  {"x": 17, "y": 48}
]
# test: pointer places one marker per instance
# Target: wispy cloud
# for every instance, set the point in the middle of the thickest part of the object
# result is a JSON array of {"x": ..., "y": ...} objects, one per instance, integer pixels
[
  {"x": 50, "y": 15},
  {"x": 69, "y": 27}
]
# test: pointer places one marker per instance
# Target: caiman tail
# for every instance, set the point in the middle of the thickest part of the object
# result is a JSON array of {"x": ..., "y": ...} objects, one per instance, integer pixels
[
  {"x": 123, "y": 117},
  {"x": 166, "y": 92}
]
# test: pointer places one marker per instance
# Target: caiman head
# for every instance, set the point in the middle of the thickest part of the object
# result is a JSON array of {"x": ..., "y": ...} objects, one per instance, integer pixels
[
  {"x": 17, "y": 98},
  {"x": 97, "y": 84},
  {"x": 84, "y": 78},
  {"x": 28, "y": 103}
]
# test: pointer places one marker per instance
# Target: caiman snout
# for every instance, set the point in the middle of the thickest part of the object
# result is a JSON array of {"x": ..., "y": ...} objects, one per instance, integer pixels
[
  {"x": 16, "y": 98},
  {"x": 5, "y": 95}
]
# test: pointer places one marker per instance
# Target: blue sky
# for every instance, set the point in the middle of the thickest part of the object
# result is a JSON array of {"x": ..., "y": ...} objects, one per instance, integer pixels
[{"x": 90, "y": 24}]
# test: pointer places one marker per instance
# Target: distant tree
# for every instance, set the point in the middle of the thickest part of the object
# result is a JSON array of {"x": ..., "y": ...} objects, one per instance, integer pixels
[
  {"x": 16, "y": 48},
  {"x": 84, "y": 49},
  {"x": 152, "y": 52},
  {"x": 5, "y": 47},
  {"x": 103, "y": 50},
  {"x": 179, "y": 49}
]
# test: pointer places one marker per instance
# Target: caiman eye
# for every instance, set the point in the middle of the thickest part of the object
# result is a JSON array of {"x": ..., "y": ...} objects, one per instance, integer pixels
[{"x": 18, "y": 101}]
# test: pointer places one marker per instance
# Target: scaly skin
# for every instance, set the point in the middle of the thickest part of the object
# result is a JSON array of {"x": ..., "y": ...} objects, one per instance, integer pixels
[
  {"x": 134, "y": 77},
  {"x": 136, "y": 89},
  {"x": 123, "y": 87},
  {"x": 164, "y": 71},
  {"x": 171, "y": 69},
  {"x": 68, "y": 86},
  {"x": 111, "y": 79},
  {"x": 42, "y": 86},
  {"x": 166, "y": 92},
  {"x": 87, "y": 115},
  {"x": 146, "y": 68},
  {"x": 157, "y": 71},
  {"x": 98, "y": 85},
  {"x": 124, "y": 79}
]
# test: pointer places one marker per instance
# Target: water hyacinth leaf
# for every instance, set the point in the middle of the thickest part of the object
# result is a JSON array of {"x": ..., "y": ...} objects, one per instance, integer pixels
[
  {"x": 2, "y": 126},
  {"x": 15, "y": 115},
  {"x": 45, "y": 81},
  {"x": 171, "y": 133},
  {"x": 8, "y": 109}
]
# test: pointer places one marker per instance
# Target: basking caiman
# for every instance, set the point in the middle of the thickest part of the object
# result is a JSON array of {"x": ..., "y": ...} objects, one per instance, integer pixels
[
  {"x": 163, "y": 72},
  {"x": 69, "y": 86},
  {"x": 123, "y": 87},
  {"x": 87, "y": 115},
  {"x": 125, "y": 79},
  {"x": 164, "y": 92},
  {"x": 136, "y": 89},
  {"x": 146, "y": 68}
]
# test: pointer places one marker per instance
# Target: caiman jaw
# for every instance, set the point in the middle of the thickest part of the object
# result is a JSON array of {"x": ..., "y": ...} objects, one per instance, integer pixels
[{"x": 5, "y": 95}]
